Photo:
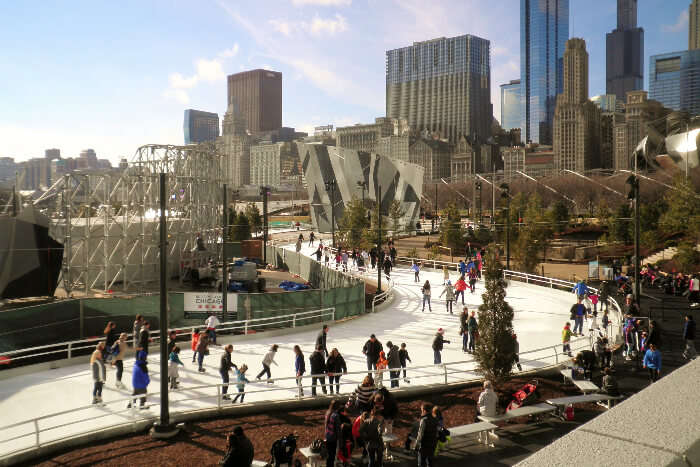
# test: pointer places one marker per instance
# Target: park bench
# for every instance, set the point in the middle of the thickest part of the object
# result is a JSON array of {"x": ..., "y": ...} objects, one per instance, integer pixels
[
  {"x": 481, "y": 429},
  {"x": 529, "y": 410},
  {"x": 584, "y": 385},
  {"x": 561, "y": 402}
]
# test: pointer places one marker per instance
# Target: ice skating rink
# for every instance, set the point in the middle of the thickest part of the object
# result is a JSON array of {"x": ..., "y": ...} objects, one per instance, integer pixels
[{"x": 540, "y": 314}]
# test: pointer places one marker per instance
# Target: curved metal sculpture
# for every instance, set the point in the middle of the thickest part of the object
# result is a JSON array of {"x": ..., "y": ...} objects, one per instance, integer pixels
[{"x": 671, "y": 144}]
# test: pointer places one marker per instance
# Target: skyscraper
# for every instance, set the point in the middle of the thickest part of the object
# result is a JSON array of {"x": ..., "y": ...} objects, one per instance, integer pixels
[
  {"x": 510, "y": 105},
  {"x": 200, "y": 126},
  {"x": 258, "y": 96},
  {"x": 625, "y": 53},
  {"x": 234, "y": 144},
  {"x": 544, "y": 30},
  {"x": 442, "y": 86},
  {"x": 576, "y": 119},
  {"x": 694, "y": 26},
  {"x": 674, "y": 80}
]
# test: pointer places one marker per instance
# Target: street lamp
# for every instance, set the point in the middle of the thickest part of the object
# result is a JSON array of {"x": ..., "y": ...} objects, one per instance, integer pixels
[
  {"x": 506, "y": 195},
  {"x": 330, "y": 187},
  {"x": 478, "y": 192},
  {"x": 633, "y": 182}
]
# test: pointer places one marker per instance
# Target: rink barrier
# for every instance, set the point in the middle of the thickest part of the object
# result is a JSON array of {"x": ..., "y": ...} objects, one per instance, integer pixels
[{"x": 452, "y": 372}]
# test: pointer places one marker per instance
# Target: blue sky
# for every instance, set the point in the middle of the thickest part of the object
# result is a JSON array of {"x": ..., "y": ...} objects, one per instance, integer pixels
[{"x": 115, "y": 75}]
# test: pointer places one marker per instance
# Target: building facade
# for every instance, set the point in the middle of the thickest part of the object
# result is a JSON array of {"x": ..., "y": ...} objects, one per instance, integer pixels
[
  {"x": 200, "y": 127},
  {"x": 513, "y": 161},
  {"x": 510, "y": 105},
  {"x": 576, "y": 119},
  {"x": 607, "y": 103},
  {"x": 694, "y": 25},
  {"x": 234, "y": 145},
  {"x": 395, "y": 147},
  {"x": 544, "y": 30},
  {"x": 639, "y": 110},
  {"x": 265, "y": 166},
  {"x": 366, "y": 137},
  {"x": 442, "y": 86},
  {"x": 674, "y": 80},
  {"x": 257, "y": 94},
  {"x": 463, "y": 160},
  {"x": 434, "y": 156},
  {"x": 624, "y": 48},
  {"x": 8, "y": 168}
]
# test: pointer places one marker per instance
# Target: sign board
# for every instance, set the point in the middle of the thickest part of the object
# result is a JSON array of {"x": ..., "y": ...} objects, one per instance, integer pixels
[
  {"x": 209, "y": 301},
  {"x": 593, "y": 270}
]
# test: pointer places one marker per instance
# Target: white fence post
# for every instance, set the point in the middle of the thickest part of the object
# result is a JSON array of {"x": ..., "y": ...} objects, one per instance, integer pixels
[
  {"x": 36, "y": 429},
  {"x": 333, "y": 314},
  {"x": 444, "y": 368},
  {"x": 294, "y": 320},
  {"x": 245, "y": 328},
  {"x": 70, "y": 350},
  {"x": 218, "y": 396},
  {"x": 556, "y": 355}
]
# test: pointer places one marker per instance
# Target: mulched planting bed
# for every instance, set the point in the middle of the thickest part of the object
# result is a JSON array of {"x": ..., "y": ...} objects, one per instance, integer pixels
[{"x": 203, "y": 443}]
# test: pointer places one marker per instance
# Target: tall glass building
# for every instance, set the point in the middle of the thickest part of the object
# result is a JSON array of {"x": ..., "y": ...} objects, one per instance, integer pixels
[
  {"x": 544, "y": 30},
  {"x": 200, "y": 126},
  {"x": 442, "y": 86},
  {"x": 510, "y": 105},
  {"x": 674, "y": 80}
]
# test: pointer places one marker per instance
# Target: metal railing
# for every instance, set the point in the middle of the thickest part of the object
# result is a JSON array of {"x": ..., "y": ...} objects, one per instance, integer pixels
[{"x": 71, "y": 347}]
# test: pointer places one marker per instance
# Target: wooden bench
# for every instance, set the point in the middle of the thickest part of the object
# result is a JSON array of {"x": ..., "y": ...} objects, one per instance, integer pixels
[
  {"x": 314, "y": 459},
  {"x": 479, "y": 428},
  {"x": 561, "y": 402},
  {"x": 535, "y": 410},
  {"x": 584, "y": 385}
]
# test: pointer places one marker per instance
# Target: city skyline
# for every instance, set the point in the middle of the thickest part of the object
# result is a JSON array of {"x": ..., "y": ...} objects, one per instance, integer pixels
[{"x": 331, "y": 52}]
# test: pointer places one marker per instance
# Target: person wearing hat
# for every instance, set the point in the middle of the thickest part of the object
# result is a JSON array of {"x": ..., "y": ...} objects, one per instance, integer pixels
[
  {"x": 449, "y": 293},
  {"x": 241, "y": 381},
  {"x": 139, "y": 380},
  {"x": 438, "y": 343}
]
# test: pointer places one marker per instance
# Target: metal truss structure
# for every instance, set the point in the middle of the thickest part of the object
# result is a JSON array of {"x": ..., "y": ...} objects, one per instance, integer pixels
[{"x": 108, "y": 221}]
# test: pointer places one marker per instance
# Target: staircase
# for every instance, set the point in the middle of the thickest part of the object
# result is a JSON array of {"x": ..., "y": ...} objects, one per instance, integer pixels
[{"x": 666, "y": 253}]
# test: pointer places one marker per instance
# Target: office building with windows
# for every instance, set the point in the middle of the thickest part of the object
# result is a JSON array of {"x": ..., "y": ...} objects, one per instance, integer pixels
[
  {"x": 200, "y": 127},
  {"x": 265, "y": 164},
  {"x": 510, "y": 105},
  {"x": 674, "y": 80},
  {"x": 544, "y": 30},
  {"x": 624, "y": 48},
  {"x": 442, "y": 87},
  {"x": 257, "y": 94},
  {"x": 694, "y": 25}
]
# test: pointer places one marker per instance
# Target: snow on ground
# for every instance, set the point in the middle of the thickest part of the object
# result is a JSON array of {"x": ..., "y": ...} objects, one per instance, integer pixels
[{"x": 539, "y": 316}]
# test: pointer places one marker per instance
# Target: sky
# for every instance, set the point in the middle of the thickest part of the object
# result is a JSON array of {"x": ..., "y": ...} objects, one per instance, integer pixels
[{"x": 113, "y": 76}]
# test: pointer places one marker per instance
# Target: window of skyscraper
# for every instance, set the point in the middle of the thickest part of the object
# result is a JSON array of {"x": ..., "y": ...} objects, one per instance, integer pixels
[{"x": 668, "y": 65}]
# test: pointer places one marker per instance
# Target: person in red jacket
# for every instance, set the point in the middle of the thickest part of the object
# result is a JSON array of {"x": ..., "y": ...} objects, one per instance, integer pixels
[{"x": 460, "y": 287}]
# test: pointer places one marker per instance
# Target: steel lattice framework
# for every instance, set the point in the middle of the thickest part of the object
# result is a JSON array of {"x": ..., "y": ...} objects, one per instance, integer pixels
[{"x": 108, "y": 221}]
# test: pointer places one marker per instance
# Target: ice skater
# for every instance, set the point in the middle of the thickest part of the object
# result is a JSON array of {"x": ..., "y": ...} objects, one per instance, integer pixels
[
  {"x": 173, "y": 371},
  {"x": 425, "y": 290},
  {"x": 449, "y": 293},
  {"x": 268, "y": 360},
  {"x": 99, "y": 373}
]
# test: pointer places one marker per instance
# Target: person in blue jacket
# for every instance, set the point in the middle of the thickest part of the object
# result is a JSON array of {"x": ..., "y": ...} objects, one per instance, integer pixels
[
  {"x": 140, "y": 379},
  {"x": 580, "y": 289},
  {"x": 299, "y": 368},
  {"x": 462, "y": 267},
  {"x": 652, "y": 361}
]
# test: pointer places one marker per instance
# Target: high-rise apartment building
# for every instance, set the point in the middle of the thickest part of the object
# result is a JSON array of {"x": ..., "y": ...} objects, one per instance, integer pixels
[
  {"x": 442, "y": 87},
  {"x": 576, "y": 119},
  {"x": 625, "y": 53},
  {"x": 639, "y": 110},
  {"x": 265, "y": 164},
  {"x": 234, "y": 144},
  {"x": 694, "y": 25},
  {"x": 52, "y": 154},
  {"x": 366, "y": 137},
  {"x": 200, "y": 126},
  {"x": 510, "y": 105},
  {"x": 544, "y": 30},
  {"x": 674, "y": 80},
  {"x": 257, "y": 94}
]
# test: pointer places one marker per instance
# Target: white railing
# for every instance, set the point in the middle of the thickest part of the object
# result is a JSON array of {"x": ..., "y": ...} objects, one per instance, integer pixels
[
  {"x": 289, "y": 320},
  {"x": 211, "y": 396},
  {"x": 382, "y": 297}
]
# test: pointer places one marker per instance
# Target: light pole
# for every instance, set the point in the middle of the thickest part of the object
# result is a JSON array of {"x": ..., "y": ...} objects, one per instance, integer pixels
[
  {"x": 224, "y": 262},
  {"x": 264, "y": 192},
  {"x": 330, "y": 186},
  {"x": 506, "y": 195},
  {"x": 478, "y": 192},
  {"x": 379, "y": 239},
  {"x": 633, "y": 182}
]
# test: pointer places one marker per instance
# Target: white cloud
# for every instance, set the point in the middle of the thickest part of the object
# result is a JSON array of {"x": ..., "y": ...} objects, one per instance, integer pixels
[
  {"x": 680, "y": 26},
  {"x": 322, "y": 2},
  {"x": 210, "y": 71},
  {"x": 177, "y": 81},
  {"x": 229, "y": 53},
  {"x": 318, "y": 25},
  {"x": 179, "y": 95},
  {"x": 281, "y": 26}
]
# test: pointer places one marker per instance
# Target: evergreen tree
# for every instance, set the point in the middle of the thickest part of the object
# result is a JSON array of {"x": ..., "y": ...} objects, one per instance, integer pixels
[
  {"x": 494, "y": 352},
  {"x": 255, "y": 220},
  {"x": 559, "y": 216},
  {"x": 683, "y": 208},
  {"x": 396, "y": 213},
  {"x": 533, "y": 236},
  {"x": 352, "y": 227},
  {"x": 241, "y": 229}
]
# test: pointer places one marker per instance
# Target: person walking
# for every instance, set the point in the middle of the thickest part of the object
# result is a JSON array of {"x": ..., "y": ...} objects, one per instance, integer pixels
[
  {"x": 516, "y": 350},
  {"x": 118, "y": 360},
  {"x": 138, "y": 322},
  {"x": 318, "y": 370},
  {"x": 404, "y": 357},
  {"x": 394, "y": 364},
  {"x": 144, "y": 337},
  {"x": 99, "y": 372},
  {"x": 425, "y": 290},
  {"x": 371, "y": 433},
  {"x": 336, "y": 367},
  {"x": 371, "y": 350},
  {"x": 111, "y": 336},
  {"x": 689, "y": 353},
  {"x": 193, "y": 344},
  {"x": 416, "y": 272},
  {"x": 139, "y": 380},
  {"x": 241, "y": 381},
  {"x": 460, "y": 287},
  {"x": 427, "y": 437},
  {"x": 382, "y": 364},
  {"x": 312, "y": 237},
  {"x": 332, "y": 431},
  {"x": 225, "y": 366},
  {"x": 211, "y": 323},
  {"x": 472, "y": 279},
  {"x": 299, "y": 369},
  {"x": 387, "y": 267},
  {"x": 268, "y": 360},
  {"x": 321, "y": 339},
  {"x": 438, "y": 343},
  {"x": 578, "y": 312},
  {"x": 473, "y": 330},
  {"x": 566, "y": 339},
  {"x": 173, "y": 371},
  {"x": 652, "y": 362},
  {"x": 449, "y": 292},
  {"x": 463, "y": 328},
  {"x": 202, "y": 350}
]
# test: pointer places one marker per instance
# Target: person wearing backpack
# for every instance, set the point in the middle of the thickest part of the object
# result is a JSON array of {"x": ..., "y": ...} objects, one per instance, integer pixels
[
  {"x": 282, "y": 451},
  {"x": 332, "y": 431},
  {"x": 239, "y": 450}
]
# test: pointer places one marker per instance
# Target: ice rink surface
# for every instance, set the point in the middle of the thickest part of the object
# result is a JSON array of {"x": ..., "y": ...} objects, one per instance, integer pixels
[{"x": 540, "y": 314}]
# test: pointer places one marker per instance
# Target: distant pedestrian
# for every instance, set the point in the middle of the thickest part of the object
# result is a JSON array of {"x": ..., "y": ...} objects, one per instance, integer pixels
[
  {"x": 268, "y": 360},
  {"x": 138, "y": 322},
  {"x": 319, "y": 252},
  {"x": 99, "y": 372},
  {"x": 473, "y": 330},
  {"x": 211, "y": 323},
  {"x": 321, "y": 339},
  {"x": 299, "y": 369},
  {"x": 472, "y": 279},
  {"x": 371, "y": 350},
  {"x": 394, "y": 364},
  {"x": 144, "y": 337},
  {"x": 438, "y": 343},
  {"x": 460, "y": 287},
  {"x": 445, "y": 274},
  {"x": 326, "y": 255},
  {"x": 425, "y": 290},
  {"x": 404, "y": 357},
  {"x": 382, "y": 365},
  {"x": 195, "y": 341},
  {"x": 516, "y": 350},
  {"x": 241, "y": 381},
  {"x": 336, "y": 367},
  {"x": 139, "y": 380},
  {"x": 173, "y": 371},
  {"x": 225, "y": 366},
  {"x": 566, "y": 339},
  {"x": 416, "y": 272},
  {"x": 652, "y": 362},
  {"x": 118, "y": 360},
  {"x": 689, "y": 353},
  {"x": 312, "y": 237},
  {"x": 578, "y": 312},
  {"x": 464, "y": 329},
  {"x": 449, "y": 292},
  {"x": 202, "y": 350},
  {"x": 387, "y": 267},
  {"x": 318, "y": 370}
]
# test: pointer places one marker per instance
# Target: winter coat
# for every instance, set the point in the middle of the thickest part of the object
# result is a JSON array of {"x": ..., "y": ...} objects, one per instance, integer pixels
[
  {"x": 372, "y": 349},
  {"x": 403, "y": 356},
  {"x": 241, "y": 380},
  {"x": 299, "y": 364},
  {"x": 121, "y": 345},
  {"x": 321, "y": 341},
  {"x": 654, "y": 337},
  {"x": 393, "y": 357},
  {"x": 580, "y": 289},
  {"x": 425, "y": 291},
  {"x": 448, "y": 292},
  {"x": 144, "y": 338},
  {"x": 203, "y": 343},
  {"x": 173, "y": 362},
  {"x": 391, "y": 407},
  {"x": 240, "y": 453},
  {"x": 195, "y": 341},
  {"x": 460, "y": 285},
  {"x": 472, "y": 325},
  {"x": 652, "y": 359},
  {"x": 99, "y": 372},
  {"x": 427, "y": 438},
  {"x": 488, "y": 402},
  {"x": 336, "y": 365},
  {"x": 566, "y": 335},
  {"x": 137, "y": 331},
  {"x": 462, "y": 268},
  {"x": 111, "y": 337},
  {"x": 689, "y": 330},
  {"x": 225, "y": 363},
  {"x": 438, "y": 342},
  {"x": 317, "y": 362},
  {"x": 269, "y": 358},
  {"x": 139, "y": 376},
  {"x": 370, "y": 433},
  {"x": 463, "y": 317}
]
